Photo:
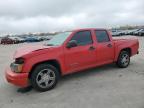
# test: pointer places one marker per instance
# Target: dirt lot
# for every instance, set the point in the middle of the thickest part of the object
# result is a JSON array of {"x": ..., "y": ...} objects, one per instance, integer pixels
[{"x": 103, "y": 87}]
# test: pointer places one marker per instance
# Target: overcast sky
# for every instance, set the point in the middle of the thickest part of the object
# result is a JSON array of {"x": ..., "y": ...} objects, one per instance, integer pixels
[{"x": 19, "y": 16}]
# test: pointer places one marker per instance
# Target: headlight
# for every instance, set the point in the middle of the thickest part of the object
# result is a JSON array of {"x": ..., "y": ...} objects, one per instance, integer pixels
[{"x": 17, "y": 65}]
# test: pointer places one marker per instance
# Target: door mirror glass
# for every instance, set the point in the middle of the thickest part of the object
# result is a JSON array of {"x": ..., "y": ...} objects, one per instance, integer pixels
[{"x": 72, "y": 43}]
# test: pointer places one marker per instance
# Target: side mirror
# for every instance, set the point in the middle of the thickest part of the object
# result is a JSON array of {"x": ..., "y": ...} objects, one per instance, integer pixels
[{"x": 72, "y": 43}]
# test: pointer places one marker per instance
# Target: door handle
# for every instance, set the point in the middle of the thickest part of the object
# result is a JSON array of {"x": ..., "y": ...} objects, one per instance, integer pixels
[
  {"x": 92, "y": 48},
  {"x": 109, "y": 45}
]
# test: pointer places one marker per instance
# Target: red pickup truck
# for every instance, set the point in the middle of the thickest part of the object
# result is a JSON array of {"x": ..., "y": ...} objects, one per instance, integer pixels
[{"x": 41, "y": 66}]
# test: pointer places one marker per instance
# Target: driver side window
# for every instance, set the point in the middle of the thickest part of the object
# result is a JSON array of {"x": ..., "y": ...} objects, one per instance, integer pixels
[{"x": 83, "y": 38}]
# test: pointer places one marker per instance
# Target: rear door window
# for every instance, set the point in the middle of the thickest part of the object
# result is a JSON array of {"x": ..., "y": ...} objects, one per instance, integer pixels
[{"x": 102, "y": 36}]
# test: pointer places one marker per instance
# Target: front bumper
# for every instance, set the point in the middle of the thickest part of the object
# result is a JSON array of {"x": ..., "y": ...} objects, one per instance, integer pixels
[{"x": 18, "y": 79}]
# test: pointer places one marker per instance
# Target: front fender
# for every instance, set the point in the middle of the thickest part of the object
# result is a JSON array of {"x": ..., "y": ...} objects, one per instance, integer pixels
[{"x": 43, "y": 57}]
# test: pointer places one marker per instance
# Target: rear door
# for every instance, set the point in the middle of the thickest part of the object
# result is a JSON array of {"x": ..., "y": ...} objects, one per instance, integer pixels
[{"x": 104, "y": 47}]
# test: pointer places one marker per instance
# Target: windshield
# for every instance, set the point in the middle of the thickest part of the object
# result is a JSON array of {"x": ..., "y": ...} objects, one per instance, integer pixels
[{"x": 58, "y": 39}]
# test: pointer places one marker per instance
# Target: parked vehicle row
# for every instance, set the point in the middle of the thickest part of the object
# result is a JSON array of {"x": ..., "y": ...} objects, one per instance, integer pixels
[
  {"x": 137, "y": 32},
  {"x": 16, "y": 40}
]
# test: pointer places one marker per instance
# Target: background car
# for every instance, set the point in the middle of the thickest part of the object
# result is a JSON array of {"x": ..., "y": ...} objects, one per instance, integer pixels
[
  {"x": 17, "y": 39},
  {"x": 20, "y": 39},
  {"x": 48, "y": 37},
  {"x": 8, "y": 40},
  {"x": 116, "y": 33},
  {"x": 32, "y": 39},
  {"x": 140, "y": 32},
  {"x": 132, "y": 32}
]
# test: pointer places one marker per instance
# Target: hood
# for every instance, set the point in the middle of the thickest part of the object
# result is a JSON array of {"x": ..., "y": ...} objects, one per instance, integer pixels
[{"x": 28, "y": 49}]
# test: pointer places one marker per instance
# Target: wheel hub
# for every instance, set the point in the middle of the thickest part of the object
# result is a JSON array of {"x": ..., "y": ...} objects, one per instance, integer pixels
[
  {"x": 125, "y": 59},
  {"x": 45, "y": 78}
]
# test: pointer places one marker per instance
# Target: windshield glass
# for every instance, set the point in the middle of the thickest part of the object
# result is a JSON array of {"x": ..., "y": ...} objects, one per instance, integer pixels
[{"x": 58, "y": 39}]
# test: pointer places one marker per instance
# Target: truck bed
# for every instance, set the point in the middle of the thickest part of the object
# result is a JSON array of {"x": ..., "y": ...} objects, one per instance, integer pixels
[{"x": 129, "y": 41}]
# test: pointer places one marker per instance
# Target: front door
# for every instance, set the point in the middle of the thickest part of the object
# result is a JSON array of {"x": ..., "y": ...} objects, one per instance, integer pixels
[{"x": 81, "y": 56}]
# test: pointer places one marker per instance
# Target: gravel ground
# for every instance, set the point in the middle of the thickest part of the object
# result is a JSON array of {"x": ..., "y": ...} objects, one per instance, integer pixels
[{"x": 102, "y": 87}]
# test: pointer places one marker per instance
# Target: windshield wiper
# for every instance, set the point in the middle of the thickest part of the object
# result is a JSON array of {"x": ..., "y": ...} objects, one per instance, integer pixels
[{"x": 49, "y": 44}]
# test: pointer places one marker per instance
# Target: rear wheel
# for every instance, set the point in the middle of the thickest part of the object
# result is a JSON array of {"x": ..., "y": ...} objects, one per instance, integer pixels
[
  {"x": 123, "y": 59},
  {"x": 44, "y": 77}
]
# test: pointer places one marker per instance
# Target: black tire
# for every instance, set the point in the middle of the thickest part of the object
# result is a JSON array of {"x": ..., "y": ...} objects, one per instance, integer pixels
[
  {"x": 140, "y": 34},
  {"x": 120, "y": 62},
  {"x": 36, "y": 75}
]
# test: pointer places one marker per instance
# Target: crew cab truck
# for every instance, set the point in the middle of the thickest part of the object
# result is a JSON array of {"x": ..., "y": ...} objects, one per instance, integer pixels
[{"x": 42, "y": 65}]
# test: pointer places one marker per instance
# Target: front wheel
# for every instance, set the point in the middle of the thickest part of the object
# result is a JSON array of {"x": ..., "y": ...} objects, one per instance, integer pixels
[
  {"x": 44, "y": 77},
  {"x": 123, "y": 59}
]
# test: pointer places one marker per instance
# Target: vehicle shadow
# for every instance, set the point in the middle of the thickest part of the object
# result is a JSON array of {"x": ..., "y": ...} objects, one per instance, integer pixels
[
  {"x": 77, "y": 76},
  {"x": 87, "y": 73}
]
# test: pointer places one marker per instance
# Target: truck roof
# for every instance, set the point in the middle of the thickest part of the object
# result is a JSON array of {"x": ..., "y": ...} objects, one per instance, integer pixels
[{"x": 88, "y": 29}]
